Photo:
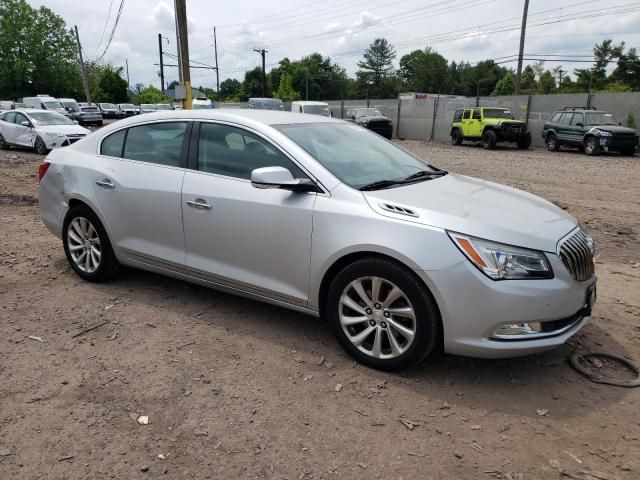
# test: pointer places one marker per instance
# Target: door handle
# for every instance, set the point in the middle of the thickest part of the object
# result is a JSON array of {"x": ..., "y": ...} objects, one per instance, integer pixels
[
  {"x": 199, "y": 203},
  {"x": 105, "y": 184}
]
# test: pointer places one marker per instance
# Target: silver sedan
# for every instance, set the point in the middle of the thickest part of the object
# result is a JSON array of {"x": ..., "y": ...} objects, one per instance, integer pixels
[{"x": 327, "y": 218}]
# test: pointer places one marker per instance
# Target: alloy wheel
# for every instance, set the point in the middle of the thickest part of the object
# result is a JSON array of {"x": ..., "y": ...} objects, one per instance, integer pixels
[
  {"x": 590, "y": 146},
  {"x": 84, "y": 245},
  {"x": 377, "y": 317},
  {"x": 551, "y": 143}
]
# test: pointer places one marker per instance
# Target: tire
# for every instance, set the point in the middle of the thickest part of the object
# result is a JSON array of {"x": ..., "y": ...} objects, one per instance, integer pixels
[
  {"x": 525, "y": 142},
  {"x": 3, "y": 143},
  {"x": 552, "y": 143},
  {"x": 83, "y": 229},
  {"x": 591, "y": 146},
  {"x": 456, "y": 137},
  {"x": 489, "y": 140},
  {"x": 40, "y": 146},
  {"x": 403, "y": 341}
]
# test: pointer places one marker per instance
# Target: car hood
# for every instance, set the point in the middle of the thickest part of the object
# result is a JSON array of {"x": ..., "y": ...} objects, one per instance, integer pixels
[
  {"x": 614, "y": 129},
  {"x": 500, "y": 121},
  {"x": 478, "y": 208},
  {"x": 63, "y": 129}
]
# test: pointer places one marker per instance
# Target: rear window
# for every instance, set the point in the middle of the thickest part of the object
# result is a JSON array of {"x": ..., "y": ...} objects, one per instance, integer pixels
[{"x": 90, "y": 109}]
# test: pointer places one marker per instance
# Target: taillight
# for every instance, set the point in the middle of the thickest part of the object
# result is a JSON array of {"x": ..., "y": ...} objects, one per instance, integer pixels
[{"x": 42, "y": 169}]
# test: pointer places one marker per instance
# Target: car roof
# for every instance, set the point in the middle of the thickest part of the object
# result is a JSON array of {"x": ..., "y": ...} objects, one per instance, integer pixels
[
  {"x": 308, "y": 102},
  {"x": 29, "y": 111}
]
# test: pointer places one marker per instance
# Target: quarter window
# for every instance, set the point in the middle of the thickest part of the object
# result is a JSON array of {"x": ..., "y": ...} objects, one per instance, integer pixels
[
  {"x": 112, "y": 145},
  {"x": 159, "y": 143},
  {"x": 234, "y": 152}
]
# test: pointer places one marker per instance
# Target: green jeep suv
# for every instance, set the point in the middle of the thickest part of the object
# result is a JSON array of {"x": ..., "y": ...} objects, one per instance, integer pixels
[
  {"x": 489, "y": 125},
  {"x": 590, "y": 130}
]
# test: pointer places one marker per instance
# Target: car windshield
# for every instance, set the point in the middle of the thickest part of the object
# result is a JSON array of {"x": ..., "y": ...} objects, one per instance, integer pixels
[
  {"x": 108, "y": 106},
  {"x": 163, "y": 106},
  {"x": 127, "y": 105},
  {"x": 148, "y": 106},
  {"x": 601, "y": 118},
  {"x": 49, "y": 118},
  {"x": 368, "y": 112},
  {"x": 496, "y": 113},
  {"x": 316, "y": 109},
  {"x": 354, "y": 155},
  {"x": 73, "y": 105},
  {"x": 53, "y": 105}
]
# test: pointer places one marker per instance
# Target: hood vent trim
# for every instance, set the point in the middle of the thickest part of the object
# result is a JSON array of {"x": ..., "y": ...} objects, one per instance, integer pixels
[{"x": 390, "y": 207}]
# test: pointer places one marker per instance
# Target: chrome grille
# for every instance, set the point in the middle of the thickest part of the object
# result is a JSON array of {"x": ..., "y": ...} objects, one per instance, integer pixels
[{"x": 576, "y": 253}]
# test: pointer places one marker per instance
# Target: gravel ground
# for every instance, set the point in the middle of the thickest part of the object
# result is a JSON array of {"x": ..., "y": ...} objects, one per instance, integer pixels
[{"x": 238, "y": 389}]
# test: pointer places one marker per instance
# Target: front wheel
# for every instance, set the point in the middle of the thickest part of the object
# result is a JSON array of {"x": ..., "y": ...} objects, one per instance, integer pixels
[
  {"x": 591, "y": 146},
  {"x": 489, "y": 140},
  {"x": 524, "y": 142},
  {"x": 3, "y": 143},
  {"x": 456, "y": 137},
  {"x": 383, "y": 315},
  {"x": 41, "y": 147},
  {"x": 87, "y": 246}
]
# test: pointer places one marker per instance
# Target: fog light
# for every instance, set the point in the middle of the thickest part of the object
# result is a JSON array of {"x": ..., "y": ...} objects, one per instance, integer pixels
[{"x": 518, "y": 329}]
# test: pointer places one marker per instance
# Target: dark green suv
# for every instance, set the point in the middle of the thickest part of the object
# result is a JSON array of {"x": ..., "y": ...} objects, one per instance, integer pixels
[{"x": 590, "y": 130}]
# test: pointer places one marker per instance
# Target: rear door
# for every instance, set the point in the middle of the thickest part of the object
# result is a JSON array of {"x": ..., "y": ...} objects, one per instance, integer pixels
[
  {"x": 466, "y": 123},
  {"x": 575, "y": 131},
  {"x": 475, "y": 123},
  {"x": 8, "y": 128},
  {"x": 137, "y": 186},
  {"x": 255, "y": 240},
  {"x": 564, "y": 128},
  {"x": 22, "y": 135}
]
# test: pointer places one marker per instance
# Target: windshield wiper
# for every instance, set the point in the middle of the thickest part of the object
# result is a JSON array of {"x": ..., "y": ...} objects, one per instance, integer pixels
[
  {"x": 380, "y": 184},
  {"x": 424, "y": 174}
]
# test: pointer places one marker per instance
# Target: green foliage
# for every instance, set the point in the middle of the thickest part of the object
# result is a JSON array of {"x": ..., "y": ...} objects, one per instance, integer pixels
[
  {"x": 228, "y": 88},
  {"x": 151, "y": 94},
  {"x": 377, "y": 65},
  {"x": 37, "y": 52},
  {"x": 109, "y": 86},
  {"x": 506, "y": 85},
  {"x": 425, "y": 71},
  {"x": 285, "y": 91}
]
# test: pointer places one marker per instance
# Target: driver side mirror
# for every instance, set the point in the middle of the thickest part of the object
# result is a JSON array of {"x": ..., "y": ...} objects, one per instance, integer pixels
[
  {"x": 280, "y": 177},
  {"x": 25, "y": 123}
]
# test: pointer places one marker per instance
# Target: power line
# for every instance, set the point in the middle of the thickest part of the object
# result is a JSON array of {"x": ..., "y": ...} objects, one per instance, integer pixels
[
  {"x": 113, "y": 31},
  {"x": 106, "y": 23}
]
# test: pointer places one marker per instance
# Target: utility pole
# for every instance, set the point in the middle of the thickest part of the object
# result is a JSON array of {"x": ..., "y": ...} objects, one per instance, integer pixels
[
  {"x": 521, "y": 51},
  {"x": 84, "y": 71},
  {"x": 560, "y": 72},
  {"x": 215, "y": 48},
  {"x": 306, "y": 97},
  {"x": 161, "y": 64},
  {"x": 264, "y": 74},
  {"x": 181, "y": 21},
  {"x": 175, "y": 6},
  {"x": 126, "y": 62}
]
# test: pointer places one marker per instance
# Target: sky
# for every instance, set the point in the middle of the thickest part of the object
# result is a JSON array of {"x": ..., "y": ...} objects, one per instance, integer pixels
[{"x": 470, "y": 30}]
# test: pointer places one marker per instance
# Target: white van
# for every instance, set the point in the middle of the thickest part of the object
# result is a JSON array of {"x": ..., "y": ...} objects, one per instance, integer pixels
[
  {"x": 315, "y": 108},
  {"x": 45, "y": 102},
  {"x": 201, "y": 103}
]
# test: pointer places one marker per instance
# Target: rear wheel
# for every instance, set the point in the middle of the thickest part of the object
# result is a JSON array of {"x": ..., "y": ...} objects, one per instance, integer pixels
[
  {"x": 41, "y": 147},
  {"x": 552, "y": 143},
  {"x": 489, "y": 140},
  {"x": 591, "y": 146},
  {"x": 87, "y": 246},
  {"x": 382, "y": 315},
  {"x": 456, "y": 137},
  {"x": 3, "y": 143},
  {"x": 524, "y": 142}
]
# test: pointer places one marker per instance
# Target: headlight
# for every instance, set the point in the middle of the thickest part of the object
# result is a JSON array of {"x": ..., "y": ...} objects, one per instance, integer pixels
[
  {"x": 362, "y": 121},
  {"x": 503, "y": 262},
  {"x": 57, "y": 135},
  {"x": 604, "y": 133}
]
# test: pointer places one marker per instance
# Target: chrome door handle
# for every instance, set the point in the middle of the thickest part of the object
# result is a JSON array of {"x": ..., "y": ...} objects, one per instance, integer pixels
[
  {"x": 199, "y": 203},
  {"x": 105, "y": 184}
]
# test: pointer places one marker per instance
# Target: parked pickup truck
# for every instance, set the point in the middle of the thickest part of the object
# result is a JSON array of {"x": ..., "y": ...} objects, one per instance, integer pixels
[{"x": 489, "y": 125}]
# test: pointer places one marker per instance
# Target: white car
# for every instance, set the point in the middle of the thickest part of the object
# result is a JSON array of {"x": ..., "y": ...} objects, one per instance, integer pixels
[{"x": 43, "y": 130}]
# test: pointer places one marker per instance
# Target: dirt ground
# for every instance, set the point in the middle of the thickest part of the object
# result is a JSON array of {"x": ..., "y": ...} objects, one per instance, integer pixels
[{"x": 238, "y": 389}]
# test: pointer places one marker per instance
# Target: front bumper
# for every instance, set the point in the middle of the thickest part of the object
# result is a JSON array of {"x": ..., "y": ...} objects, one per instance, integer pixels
[{"x": 476, "y": 309}]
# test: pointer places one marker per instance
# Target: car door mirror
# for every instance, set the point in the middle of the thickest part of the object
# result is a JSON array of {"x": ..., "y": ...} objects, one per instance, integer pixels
[
  {"x": 579, "y": 124},
  {"x": 25, "y": 123},
  {"x": 280, "y": 177}
]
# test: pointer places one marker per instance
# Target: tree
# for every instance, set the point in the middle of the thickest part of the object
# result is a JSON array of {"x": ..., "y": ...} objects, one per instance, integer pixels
[
  {"x": 285, "y": 91},
  {"x": 528, "y": 81},
  {"x": 378, "y": 60},
  {"x": 229, "y": 88},
  {"x": 110, "y": 87},
  {"x": 151, "y": 94},
  {"x": 425, "y": 71},
  {"x": 37, "y": 52},
  {"x": 506, "y": 85}
]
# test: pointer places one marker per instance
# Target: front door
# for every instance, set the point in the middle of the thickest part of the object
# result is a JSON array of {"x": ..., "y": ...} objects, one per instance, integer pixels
[
  {"x": 254, "y": 240},
  {"x": 22, "y": 135},
  {"x": 137, "y": 186}
]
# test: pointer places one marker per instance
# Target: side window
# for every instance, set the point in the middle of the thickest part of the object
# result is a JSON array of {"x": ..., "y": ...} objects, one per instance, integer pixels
[
  {"x": 556, "y": 117},
  {"x": 159, "y": 143},
  {"x": 234, "y": 152},
  {"x": 349, "y": 113},
  {"x": 476, "y": 115},
  {"x": 112, "y": 145},
  {"x": 466, "y": 115},
  {"x": 9, "y": 117},
  {"x": 19, "y": 118},
  {"x": 565, "y": 118},
  {"x": 457, "y": 115},
  {"x": 577, "y": 118}
]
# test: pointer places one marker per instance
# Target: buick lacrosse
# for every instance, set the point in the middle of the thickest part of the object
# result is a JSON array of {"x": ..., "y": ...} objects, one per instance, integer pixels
[{"x": 327, "y": 218}]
